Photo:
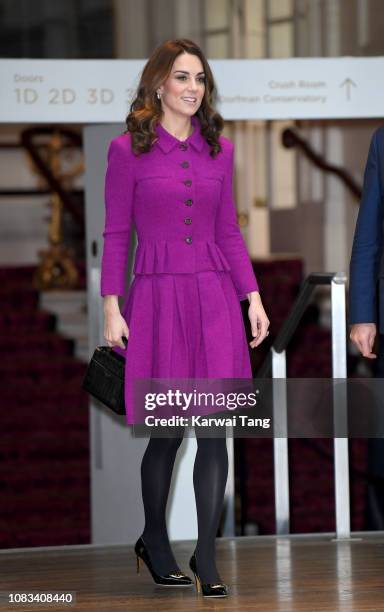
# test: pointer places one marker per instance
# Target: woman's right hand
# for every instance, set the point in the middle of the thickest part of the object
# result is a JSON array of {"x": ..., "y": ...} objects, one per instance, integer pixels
[{"x": 115, "y": 326}]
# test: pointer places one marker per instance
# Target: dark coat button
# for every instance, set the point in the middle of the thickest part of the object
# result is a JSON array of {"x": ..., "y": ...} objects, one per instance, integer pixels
[
  {"x": 188, "y": 182},
  {"x": 184, "y": 164},
  {"x": 188, "y": 240},
  {"x": 183, "y": 146},
  {"x": 187, "y": 220},
  {"x": 189, "y": 202}
]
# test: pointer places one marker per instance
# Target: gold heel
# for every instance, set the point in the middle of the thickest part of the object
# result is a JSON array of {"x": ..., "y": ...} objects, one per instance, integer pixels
[
  {"x": 207, "y": 589},
  {"x": 176, "y": 578},
  {"x": 198, "y": 584}
]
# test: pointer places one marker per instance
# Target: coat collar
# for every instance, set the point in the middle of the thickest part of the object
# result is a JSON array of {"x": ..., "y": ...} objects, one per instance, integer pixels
[{"x": 167, "y": 141}]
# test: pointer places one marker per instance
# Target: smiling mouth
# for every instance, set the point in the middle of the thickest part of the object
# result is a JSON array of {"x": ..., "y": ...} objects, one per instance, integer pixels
[{"x": 190, "y": 101}]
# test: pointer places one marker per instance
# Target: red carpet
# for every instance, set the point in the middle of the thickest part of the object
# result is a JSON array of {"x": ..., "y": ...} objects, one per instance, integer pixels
[{"x": 44, "y": 430}]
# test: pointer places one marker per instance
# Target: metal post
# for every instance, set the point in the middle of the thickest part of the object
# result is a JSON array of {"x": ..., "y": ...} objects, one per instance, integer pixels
[
  {"x": 339, "y": 371},
  {"x": 95, "y": 322},
  {"x": 280, "y": 444}
]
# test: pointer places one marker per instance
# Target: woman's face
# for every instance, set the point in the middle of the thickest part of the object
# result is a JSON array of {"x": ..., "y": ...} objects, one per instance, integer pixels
[{"x": 183, "y": 90}]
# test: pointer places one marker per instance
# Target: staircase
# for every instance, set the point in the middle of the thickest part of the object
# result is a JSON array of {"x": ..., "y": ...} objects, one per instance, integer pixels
[
  {"x": 44, "y": 429},
  {"x": 70, "y": 308}
]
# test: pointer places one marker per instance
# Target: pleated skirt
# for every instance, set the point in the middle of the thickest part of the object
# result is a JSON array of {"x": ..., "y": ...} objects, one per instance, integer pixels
[{"x": 183, "y": 326}]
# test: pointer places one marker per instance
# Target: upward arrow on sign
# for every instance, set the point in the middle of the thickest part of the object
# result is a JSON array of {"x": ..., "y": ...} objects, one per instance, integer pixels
[{"x": 347, "y": 84}]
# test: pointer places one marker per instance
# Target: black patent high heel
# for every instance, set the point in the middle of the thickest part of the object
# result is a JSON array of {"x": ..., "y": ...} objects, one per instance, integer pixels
[
  {"x": 176, "y": 578},
  {"x": 208, "y": 589}
]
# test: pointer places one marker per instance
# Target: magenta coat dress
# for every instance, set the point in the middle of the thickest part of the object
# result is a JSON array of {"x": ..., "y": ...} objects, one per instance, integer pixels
[{"x": 191, "y": 265}]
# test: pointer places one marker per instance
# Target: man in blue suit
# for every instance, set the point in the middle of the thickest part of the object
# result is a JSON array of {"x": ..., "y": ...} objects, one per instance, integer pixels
[
  {"x": 366, "y": 302},
  {"x": 366, "y": 309}
]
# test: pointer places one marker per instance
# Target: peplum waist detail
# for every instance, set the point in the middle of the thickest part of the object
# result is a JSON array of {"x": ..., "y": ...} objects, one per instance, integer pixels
[{"x": 176, "y": 257}]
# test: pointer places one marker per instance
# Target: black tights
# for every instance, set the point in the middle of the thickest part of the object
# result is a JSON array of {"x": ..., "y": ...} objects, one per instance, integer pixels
[{"x": 210, "y": 473}]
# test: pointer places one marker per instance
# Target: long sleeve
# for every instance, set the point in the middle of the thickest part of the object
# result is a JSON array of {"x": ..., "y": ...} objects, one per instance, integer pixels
[
  {"x": 367, "y": 244},
  {"x": 229, "y": 236},
  {"x": 118, "y": 197}
]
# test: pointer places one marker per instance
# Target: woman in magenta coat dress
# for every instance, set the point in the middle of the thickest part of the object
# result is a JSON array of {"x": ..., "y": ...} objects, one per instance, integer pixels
[{"x": 170, "y": 175}]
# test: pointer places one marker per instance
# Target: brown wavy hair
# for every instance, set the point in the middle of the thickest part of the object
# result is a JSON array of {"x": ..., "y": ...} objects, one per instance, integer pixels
[{"x": 145, "y": 109}]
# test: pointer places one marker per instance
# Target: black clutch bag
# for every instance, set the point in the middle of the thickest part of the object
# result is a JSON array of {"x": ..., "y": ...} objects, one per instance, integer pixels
[{"x": 104, "y": 377}]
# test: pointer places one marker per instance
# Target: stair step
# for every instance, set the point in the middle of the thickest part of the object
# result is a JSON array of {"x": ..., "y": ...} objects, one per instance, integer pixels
[
  {"x": 17, "y": 274},
  {"x": 41, "y": 372},
  {"x": 72, "y": 325},
  {"x": 70, "y": 309},
  {"x": 63, "y": 302},
  {"x": 43, "y": 342},
  {"x": 27, "y": 321}
]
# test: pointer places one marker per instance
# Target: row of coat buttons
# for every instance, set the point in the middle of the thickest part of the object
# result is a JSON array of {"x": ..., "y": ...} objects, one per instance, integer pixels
[{"x": 187, "y": 183}]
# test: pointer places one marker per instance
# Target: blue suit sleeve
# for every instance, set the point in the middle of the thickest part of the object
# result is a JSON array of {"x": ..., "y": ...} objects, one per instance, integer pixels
[{"x": 367, "y": 244}]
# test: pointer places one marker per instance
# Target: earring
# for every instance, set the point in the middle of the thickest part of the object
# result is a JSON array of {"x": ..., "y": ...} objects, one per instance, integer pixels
[{"x": 159, "y": 95}]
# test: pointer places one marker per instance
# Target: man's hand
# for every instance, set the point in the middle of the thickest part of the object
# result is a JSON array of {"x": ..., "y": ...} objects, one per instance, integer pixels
[{"x": 363, "y": 335}]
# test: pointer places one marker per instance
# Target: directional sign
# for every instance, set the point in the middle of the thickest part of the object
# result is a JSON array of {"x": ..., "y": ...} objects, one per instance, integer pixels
[
  {"x": 94, "y": 91},
  {"x": 347, "y": 84}
]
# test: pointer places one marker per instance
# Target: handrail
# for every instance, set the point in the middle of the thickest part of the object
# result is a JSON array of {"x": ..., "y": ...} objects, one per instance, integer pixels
[
  {"x": 290, "y": 138},
  {"x": 54, "y": 183},
  {"x": 297, "y": 310},
  {"x": 276, "y": 363}
]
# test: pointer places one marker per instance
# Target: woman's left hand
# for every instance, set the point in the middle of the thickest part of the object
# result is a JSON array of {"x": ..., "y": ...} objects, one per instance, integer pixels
[{"x": 259, "y": 321}]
